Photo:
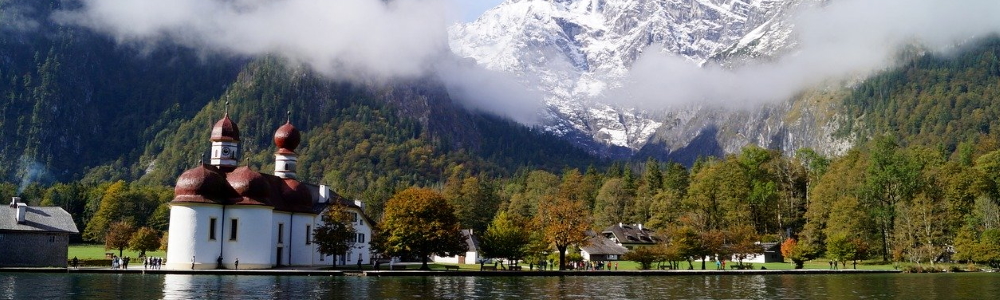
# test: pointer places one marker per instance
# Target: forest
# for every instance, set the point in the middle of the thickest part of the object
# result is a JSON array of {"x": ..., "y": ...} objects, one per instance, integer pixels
[
  {"x": 107, "y": 144},
  {"x": 880, "y": 201}
]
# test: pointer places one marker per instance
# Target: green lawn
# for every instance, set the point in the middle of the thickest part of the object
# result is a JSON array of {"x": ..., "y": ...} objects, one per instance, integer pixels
[{"x": 86, "y": 251}]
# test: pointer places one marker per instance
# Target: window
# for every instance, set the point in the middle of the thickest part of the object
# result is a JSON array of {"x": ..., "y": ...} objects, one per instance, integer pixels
[
  {"x": 232, "y": 230},
  {"x": 361, "y": 238},
  {"x": 308, "y": 237},
  {"x": 281, "y": 233},
  {"x": 211, "y": 229},
  {"x": 52, "y": 238}
]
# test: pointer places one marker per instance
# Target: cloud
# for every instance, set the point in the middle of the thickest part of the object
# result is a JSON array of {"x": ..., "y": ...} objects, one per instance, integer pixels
[
  {"x": 342, "y": 39},
  {"x": 348, "y": 39},
  {"x": 843, "y": 39},
  {"x": 338, "y": 38},
  {"x": 491, "y": 91},
  {"x": 17, "y": 18}
]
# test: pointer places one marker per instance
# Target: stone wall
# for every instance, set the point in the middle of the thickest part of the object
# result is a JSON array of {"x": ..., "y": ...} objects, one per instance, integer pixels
[{"x": 33, "y": 249}]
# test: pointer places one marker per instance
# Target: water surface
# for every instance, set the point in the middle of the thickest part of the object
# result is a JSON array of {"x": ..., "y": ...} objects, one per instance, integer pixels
[{"x": 796, "y": 286}]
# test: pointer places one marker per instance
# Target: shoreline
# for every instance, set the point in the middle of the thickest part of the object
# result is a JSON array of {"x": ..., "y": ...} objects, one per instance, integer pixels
[{"x": 410, "y": 273}]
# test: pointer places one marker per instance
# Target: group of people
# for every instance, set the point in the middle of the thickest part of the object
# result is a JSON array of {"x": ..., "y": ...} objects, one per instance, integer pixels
[
  {"x": 120, "y": 262},
  {"x": 153, "y": 263}
]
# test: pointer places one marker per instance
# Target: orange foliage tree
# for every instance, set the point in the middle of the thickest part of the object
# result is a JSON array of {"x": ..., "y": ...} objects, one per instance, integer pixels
[{"x": 565, "y": 222}]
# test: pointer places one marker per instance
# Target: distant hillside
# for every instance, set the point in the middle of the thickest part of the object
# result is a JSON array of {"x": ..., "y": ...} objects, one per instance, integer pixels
[
  {"x": 72, "y": 99},
  {"x": 934, "y": 100},
  {"x": 78, "y": 106},
  {"x": 367, "y": 141}
]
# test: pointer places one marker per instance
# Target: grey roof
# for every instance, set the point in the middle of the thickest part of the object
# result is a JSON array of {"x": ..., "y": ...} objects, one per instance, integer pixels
[
  {"x": 471, "y": 240},
  {"x": 38, "y": 219},
  {"x": 599, "y": 245},
  {"x": 631, "y": 234},
  {"x": 771, "y": 246}
]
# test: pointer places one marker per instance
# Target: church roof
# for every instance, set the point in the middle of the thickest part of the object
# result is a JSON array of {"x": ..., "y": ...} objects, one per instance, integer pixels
[
  {"x": 287, "y": 138},
  {"x": 225, "y": 130},
  {"x": 203, "y": 184},
  {"x": 38, "y": 219}
]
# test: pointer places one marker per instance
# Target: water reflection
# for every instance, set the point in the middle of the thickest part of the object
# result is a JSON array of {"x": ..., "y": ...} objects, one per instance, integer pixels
[{"x": 135, "y": 286}]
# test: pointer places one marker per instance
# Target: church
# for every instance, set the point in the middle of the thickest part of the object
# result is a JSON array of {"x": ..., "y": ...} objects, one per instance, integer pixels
[{"x": 224, "y": 214}]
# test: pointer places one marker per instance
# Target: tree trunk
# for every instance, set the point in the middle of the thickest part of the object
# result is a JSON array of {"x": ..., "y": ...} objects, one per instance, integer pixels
[
  {"x": 562, "y": 257},
  {"x": 885, "y": 245},
  {"x": 423, "y": 264},
  {"x": 798, "y": 263},
  {"x": 120, "y": 250}
]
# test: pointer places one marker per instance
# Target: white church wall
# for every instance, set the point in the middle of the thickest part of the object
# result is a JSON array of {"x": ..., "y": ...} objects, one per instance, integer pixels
[
  {"x": 301, "y": 250},
  {"x": 279, "y": 240},
  {"x": 253, "y": 237},
  {"x": 189, "y": 237}
]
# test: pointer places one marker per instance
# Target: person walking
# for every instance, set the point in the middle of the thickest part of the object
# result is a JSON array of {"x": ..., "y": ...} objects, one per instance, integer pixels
[
  {"x": 237, "y": 263},
  {"x": 76, "y": 263}
]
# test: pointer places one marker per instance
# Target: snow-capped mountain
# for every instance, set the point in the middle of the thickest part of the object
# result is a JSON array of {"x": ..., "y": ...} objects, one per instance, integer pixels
[{"x": 575, "y": 50}]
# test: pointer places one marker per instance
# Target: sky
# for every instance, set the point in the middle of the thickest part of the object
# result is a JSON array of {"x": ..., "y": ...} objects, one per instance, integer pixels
[{"x": 472, "y": 9}]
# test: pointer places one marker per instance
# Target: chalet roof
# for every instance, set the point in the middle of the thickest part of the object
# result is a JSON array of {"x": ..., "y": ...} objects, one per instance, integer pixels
[
  {"x": 630, "y": 234},
  {"x": 38, "y": 219},
  {"x": 771, "y": 246},
  {"x": 471, "y": 239},
  {"x": 599, "y": 245}
]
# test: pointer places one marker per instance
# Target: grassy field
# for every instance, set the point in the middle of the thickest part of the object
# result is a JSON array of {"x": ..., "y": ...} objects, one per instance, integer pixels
[
  {"x": 85, "y": 251},
  {"x": 629, "y": 265}
]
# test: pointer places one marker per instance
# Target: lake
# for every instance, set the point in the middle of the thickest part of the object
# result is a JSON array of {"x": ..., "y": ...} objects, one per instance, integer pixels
[{"x": 171, "y": 286}]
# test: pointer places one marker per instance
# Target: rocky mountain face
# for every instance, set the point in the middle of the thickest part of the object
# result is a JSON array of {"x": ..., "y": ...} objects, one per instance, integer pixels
[{"x": 575, "y": 50}]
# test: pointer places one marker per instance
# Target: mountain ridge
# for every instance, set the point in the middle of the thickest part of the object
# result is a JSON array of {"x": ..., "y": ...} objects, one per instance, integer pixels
[{"x": 578, "y": 50}]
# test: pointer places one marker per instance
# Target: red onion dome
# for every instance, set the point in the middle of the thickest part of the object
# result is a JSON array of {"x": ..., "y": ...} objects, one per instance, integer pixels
[
  {"x": 251, "y": 187},
  {"x": 203, "y": 184},
  {"x": 295, "y": 196},
  {"x": 287, "y": 138},
  {"x": 225, "y": 130}
]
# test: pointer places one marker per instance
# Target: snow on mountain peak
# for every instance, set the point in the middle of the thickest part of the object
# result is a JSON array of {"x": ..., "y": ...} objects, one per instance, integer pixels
[{"x": 575, "y": 50}]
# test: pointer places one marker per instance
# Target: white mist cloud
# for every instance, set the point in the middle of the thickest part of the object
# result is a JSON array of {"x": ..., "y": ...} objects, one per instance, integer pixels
[
  {"x": 842, "y": 39},
  {"x": 352, "y": 39},
  {"x": 491, "y": 91},
  {"x": 342, "y": 39},
  {"x": 339, "y": 38}
]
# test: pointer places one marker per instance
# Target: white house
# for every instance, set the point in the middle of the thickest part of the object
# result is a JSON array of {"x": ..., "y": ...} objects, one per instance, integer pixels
[
  {"x": 471, "y": 256},
  {"x": 223, "y": 213},
  {"x": 771, "y": 253}
]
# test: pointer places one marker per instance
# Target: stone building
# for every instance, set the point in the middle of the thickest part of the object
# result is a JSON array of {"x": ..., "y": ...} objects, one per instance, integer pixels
[{"x": 33, "y": 236}]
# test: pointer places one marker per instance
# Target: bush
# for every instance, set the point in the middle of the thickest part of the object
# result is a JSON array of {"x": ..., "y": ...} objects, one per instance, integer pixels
[
  {"x": 922, "y": 269},
  {"x": 103, "y": 262},
  {"x": 645, "y": 256}
]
